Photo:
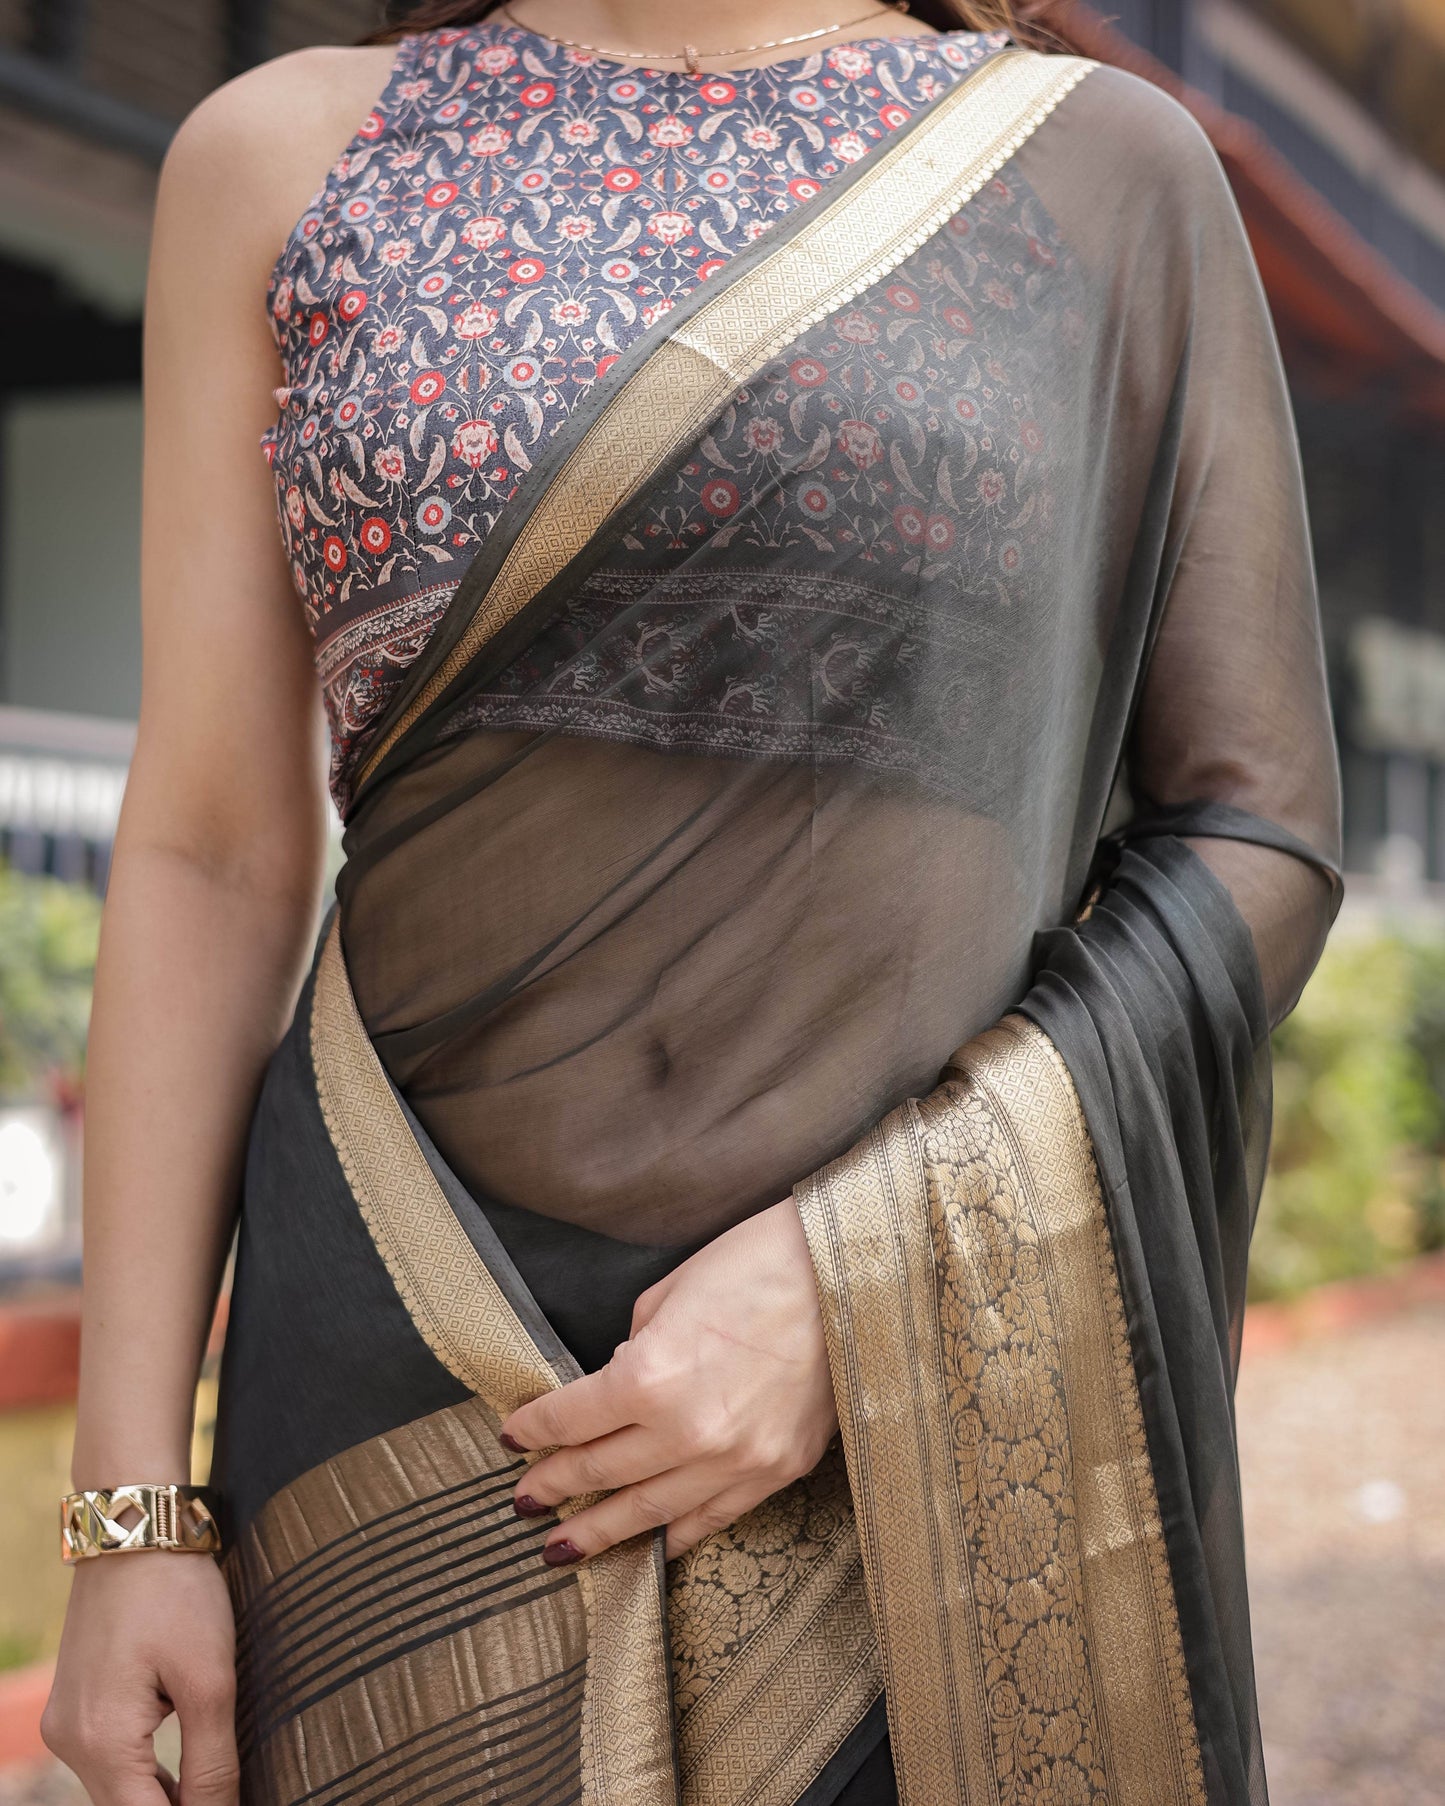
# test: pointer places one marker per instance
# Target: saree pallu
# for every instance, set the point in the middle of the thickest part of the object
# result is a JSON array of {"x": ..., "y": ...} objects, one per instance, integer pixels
[{"x": 726, "y": 841}]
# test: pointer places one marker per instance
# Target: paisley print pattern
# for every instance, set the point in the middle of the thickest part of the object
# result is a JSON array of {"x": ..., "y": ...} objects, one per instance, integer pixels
[
  {"x": 509, "y": 217},
  {"x": 884, "y": 485}
]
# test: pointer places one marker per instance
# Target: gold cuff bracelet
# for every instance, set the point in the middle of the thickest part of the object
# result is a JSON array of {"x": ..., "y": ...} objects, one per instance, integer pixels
[{"x": 178, "y": 1518}]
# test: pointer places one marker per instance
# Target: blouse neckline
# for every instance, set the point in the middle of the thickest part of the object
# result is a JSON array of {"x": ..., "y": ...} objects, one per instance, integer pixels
[{"x": 587, "y": 59}]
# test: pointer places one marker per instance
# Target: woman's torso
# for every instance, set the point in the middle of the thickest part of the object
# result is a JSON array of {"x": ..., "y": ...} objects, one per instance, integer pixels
[{"x": 623, "y": 981}]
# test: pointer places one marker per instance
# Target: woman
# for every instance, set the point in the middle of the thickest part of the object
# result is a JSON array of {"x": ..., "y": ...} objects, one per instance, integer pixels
[{"x": 742, "y": 1241}]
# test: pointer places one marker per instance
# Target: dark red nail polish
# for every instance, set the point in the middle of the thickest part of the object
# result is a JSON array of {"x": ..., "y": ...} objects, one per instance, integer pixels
[
  {"x": 558, "y": 1555},
  {"x": 510, "y": 1442},
  {"x": 526, "y": 1506}
]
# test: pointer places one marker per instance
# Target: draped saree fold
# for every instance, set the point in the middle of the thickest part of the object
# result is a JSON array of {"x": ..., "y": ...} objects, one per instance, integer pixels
[{"x": 728, "y": 840}]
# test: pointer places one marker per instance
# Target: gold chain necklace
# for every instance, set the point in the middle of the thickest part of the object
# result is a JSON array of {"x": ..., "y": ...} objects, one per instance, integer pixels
[{"x": 690, "y": 54}]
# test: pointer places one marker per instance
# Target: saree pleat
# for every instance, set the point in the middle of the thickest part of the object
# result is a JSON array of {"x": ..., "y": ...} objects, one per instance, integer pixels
[
  {"x": 879, "y": 756},
  {"x": 1155, "y": 1003}
]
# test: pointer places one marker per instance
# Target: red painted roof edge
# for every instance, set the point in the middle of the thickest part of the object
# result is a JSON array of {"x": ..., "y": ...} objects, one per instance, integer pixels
[{"x": 1272, "y": 196}]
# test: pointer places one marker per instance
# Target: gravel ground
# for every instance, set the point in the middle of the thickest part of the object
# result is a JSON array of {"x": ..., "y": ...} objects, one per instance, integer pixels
[{"x": 1343, "y": 1444}]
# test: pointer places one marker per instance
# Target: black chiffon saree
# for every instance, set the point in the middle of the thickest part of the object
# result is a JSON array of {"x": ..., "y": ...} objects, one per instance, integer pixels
[{"x": 880, "y": 755}]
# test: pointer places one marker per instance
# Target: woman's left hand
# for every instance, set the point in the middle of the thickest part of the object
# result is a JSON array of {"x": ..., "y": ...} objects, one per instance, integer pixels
[{"x": 720, "y": 1397}]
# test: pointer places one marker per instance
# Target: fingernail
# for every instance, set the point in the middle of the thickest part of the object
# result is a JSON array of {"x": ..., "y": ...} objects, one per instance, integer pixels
[
  {"x": 557, "y": 1555},
  {"x": 509, "y": 1441},
  {"x": 526, "y": 1506}
]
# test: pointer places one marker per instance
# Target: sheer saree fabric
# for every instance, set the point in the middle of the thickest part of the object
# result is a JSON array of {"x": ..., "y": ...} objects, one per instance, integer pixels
[{"x": 762, "y": 761}]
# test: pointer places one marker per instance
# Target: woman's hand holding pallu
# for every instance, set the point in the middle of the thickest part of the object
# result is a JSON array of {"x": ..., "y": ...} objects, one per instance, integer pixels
[{"x": 720, "y": 1397}]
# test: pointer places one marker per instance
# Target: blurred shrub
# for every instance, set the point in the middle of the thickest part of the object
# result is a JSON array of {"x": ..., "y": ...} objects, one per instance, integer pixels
[
  {"x": 1357, "y": 1166},
  {"x": 48, "y": 937}
]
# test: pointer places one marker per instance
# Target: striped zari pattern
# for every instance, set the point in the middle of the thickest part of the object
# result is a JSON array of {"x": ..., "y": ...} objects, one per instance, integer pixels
[{"x": 398, "y": 1573}]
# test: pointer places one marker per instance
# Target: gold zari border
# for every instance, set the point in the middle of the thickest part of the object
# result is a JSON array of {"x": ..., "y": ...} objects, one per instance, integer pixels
[
  {"x": 463, "y": 1316},
  {"x": 909, "y": 191},
  {"x": 1026, "y": 1619}
]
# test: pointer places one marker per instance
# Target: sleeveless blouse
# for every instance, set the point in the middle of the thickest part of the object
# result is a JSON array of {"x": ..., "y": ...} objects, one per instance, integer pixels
[{"x": 509, "y": 217}]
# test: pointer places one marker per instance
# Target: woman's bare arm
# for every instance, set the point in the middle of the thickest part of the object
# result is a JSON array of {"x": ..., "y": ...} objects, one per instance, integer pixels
[{"x": 213, "y": 899}]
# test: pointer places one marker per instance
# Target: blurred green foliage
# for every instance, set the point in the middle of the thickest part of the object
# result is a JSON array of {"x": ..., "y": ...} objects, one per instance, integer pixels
[
  {"x": 48, "y": 937},
  {"x": 1357, "y": 1164}
]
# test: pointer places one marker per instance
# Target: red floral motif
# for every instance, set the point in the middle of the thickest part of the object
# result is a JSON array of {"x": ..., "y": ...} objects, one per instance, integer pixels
[
  {"x": 669, "y": 130},
  {"x": 454, "y": 311},
  {"x": 475, "y": 320},
  {"x": 482, "y": 232},
  {"x": 860, "y": 443},
  {"x": 857, "y": 327},
  {"x": 474, "y": 442},
  {"x": 720, "y": 497},
  {"x": 490, "y": 141},
  {"x": 671, "y": 228}
]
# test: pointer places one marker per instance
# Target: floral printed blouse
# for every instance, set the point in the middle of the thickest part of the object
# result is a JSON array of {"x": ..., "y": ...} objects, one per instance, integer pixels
[{"x": 507, "y": 219}]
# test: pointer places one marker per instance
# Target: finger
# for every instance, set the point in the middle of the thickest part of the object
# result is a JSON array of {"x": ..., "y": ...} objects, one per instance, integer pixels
[
  {"x": 206, "y": 1706},
  {"x": 628, "y": 1513},
  {"x": 603, "y": 1465},
  {"x": 579, "y": 1412},
  {"x": 712, "y": 1515}
]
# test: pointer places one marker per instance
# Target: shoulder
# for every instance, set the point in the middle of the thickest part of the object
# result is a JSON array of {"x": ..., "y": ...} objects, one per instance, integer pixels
[
  {"x": 1153, "y": 134},
  {"x": 256, "y": 149},
  {"x": 1124, "y": 163},
  {"x": 306, "y": 92}
]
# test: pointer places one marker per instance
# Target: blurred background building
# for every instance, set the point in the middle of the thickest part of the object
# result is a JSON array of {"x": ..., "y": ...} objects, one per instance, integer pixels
[{"x": 1329, "y": 116}]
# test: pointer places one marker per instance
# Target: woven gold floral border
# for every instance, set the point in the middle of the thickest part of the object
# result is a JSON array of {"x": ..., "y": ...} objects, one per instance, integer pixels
[
  {"x": 907, "y": 194},
  {"x": 1006, "y": 1508},
  {"x": 774, "y": 1659}
]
